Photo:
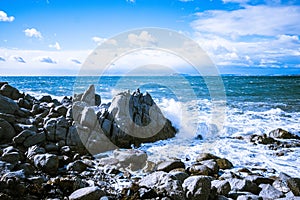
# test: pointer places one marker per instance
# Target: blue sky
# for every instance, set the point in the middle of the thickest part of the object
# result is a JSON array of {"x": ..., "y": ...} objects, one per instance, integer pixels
[{"x": 54, "y": 37}]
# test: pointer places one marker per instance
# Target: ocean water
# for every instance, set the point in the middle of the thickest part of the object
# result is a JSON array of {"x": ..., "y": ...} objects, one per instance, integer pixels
[{"x": 217, "y": 108}]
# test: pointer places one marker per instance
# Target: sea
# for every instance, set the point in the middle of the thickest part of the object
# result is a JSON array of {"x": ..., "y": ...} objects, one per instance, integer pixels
[{"x": 211, "y": 113}]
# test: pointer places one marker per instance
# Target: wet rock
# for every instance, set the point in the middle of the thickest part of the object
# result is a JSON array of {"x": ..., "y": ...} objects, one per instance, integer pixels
[
  {"x": 167, "y": 166},
  {"x": 34, "y": 150},
  {"x": 46, "y": 98},
  {"x": 206, "y": 156},
  {"x": 11, "y": 157},
  {"x": 199, "y": 169},
  {"x": 77, "y": 166},
  {"x": 47, "y": 162},
  {"x": 178, "y": 175},
  {"x": 10, "y": 92},
  {"x": 61, "y": 110},
  {"x": 21, "y": 137},
  {"x": 163, "y": 184},
  {"x": 223, "y": 163},
  {"x": 7, "y": 105},
  {"x": 249, "y": 197},
  {"x": 21, "y": 127},
  {"x": 269, "y": 192},
  {"x": 259, "y": 179},
  {"x": 212, "y": 165},
  {"x": 34, "y": 139},
  {"x": 87, "y": 193},
  {"x": 197, "y": 187},
  {"x": 281, "y": 183},
  {"x": 8, "y": 117},
  {"x": 23, "y": 103},
  {"x": 223, "y": 187},
  {"x": 282, "y": 134},
  {"x": 135, "y": 159},
  {"x": 243, "y": 185},
  {"x": 7, "y": 132},
  {"x": 294, "y": 185}
]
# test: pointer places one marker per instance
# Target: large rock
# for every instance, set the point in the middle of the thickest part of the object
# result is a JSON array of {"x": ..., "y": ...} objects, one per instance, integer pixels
[
  {"x": 282, "y": 134},
  {"x": 10, "y": 92},
  {"x": 87, "y": 193},
  {"x": 137, "y": 119},
  {"x": 135, "y": 159},
  {"x": 269, "y": 192},
  {"x": 197, "y": 187},
  {"x": 7, "y": 132},
  {"x": 163, "y": 183},
  {"x": 47, "y": 162},
  {"x": 7, "y": 105}
]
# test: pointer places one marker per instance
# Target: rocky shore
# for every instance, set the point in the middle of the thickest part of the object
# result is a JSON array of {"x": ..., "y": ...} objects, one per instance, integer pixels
[{"x": 54, "y": 150}]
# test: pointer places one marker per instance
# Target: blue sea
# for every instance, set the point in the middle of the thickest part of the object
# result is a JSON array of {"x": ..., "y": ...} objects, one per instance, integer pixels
[{"x": 217, "y": 108}]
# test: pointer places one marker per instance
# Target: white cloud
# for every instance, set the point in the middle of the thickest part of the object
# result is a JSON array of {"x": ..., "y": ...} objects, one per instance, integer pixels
[
  {"x": 251, "y": 20},
  {"x": 47, "y": 60},
  {"x": 100, "y": 40},
  {"x": 19, "y": 59},
  {"x": 143, "y": 39},
  {"x": 32, "y": 32},
  {"x": 5, "y": 18},
  {"x": 55, "y": 46}
]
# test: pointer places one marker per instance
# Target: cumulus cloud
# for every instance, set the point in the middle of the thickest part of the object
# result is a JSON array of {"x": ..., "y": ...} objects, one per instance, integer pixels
[
  {"x": 19, "y": 59},
  {"x": 143, "y": 39},
  {"x": 76, "y": 61},
  {"x": 251, "y": 20},
  {"x": 100, "y": 40},
  {"x": 47, "y": 60},
  {"x": 2, "y": 59},
  {"x": 5, "y": 18},
  {"x": 263, "y": 36},
  {"x": 55, "y": 46},
  {"x": 32, "y": 32}
]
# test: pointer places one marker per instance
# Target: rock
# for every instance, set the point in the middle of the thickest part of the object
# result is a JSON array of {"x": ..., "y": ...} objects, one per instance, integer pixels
[
  {"x": 89, "y": 96},
  {"x": 167, "y": 166},
  {"x": 212, "y": 165},
  {"x": 77, "y": 166},
  {"x": 262, "y": 139},
  {"x": 223, "y": 187},
  {"x": 46, "y": 98},
  {"x": 205, "y": 156},
  {"x": 61, "y": 110},
  {"x": 259, "y": 179},
  {"x": 178, "y": 175},
  {"x": 199, "y": 169},
  {"x": 7, "y": 105},
  {"x": 87, "y": 193},
  {"x": 56, "y": 129},
  {"x": 269, "y": 192},
  {"x": 197, "y": 187},
  {"x": 8, "y": 117},
  {"x": 20, "y": 138},
  {"x": 243, "y": 185},
  {"x": 249, "y": 197},
  {"x": 23, "y": 103},
  {"x": 133, "y": 123},
  {"x": 10, "y": 92},
  {"x": 223, "y": 163},
  {"x": 163, "y": 184},
  {"x": 34, "y": 139},
  {"x": 88, "y": 118},
  {"x": 133, "y": 158},
  {"x": 47, "y": 162},
  {"x": 281, "y": 183},
  {"x": 282, "y": 134},
  {"x": 21, "y": 127},
  {"x": 34, "y": 150},
  {"x": 7, "y": 132},
  {"x": 11, "y": 157},
  {"x": 294, "y": 185}
]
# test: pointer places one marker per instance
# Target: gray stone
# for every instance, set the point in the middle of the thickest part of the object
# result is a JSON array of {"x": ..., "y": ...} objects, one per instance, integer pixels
[
  {"x": 61, "y": 110},
  {"x": 7, "y": 105},
  {"x": 134, "y": 158},
  {"x": 10, "y": 92},
  {"x": 249, "y": 197},
  {"x": 211, "y": 164},
  {"x": 197, "y": 187},
  {"x": 21, "y": 137},
  {"x": 77, "y": 166},
  {"x": 223, "y": 187},
  {"x": 243, "y": 185},
  {"x": 34, "y": 150},
  {"x": 89, "y": 96},
  {"x": 7, "y": 132},
  {"x": 259, "y": 179},
  {"x": 206, "y": 156},
  {"x": 282, "y": 134},
  {"x": 269, "y": 192},
  {"x": 8, "y": 117},
  {"x": 163, "y": 183},
  {"x": 47, "y": 162},
  {"x": 35, "y": 139},
  {"x": 178, "y": 175},
  {"x": 294, "y": 185},
  {"x": 50, "y": 128},
  {"x": 167, "y": 166},
  {"x": 46, "y": 98},
  {"x": 11, "y": 157},
  {"x": 87, "y": 193},
  {"x": 199, "y": 169},
  {"x": 223, "y": 163},
  {"x": 88, "y": 117}
]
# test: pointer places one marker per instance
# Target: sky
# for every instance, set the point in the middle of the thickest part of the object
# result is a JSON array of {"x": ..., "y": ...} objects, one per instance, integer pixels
[{"x": 55, "y": 37}]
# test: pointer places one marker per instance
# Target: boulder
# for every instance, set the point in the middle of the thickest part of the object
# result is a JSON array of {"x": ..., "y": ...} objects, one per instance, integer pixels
[
  {"x": 87, "y": 193},
  {"x": 223, "y": 163},
  {"x": 163, "y": 184},
  {"x": 205, "y": 156},
  {"x": 282, "y": 134},
  {"x": 167, "y": 166},
  {"x": 46, "y": 99},
  {"x": 7, "y": 105},
  {"x": 7, "y": 132},
  {"x": 77, "y": 166},
  {"x": 47, "y": 162},
  {"x": 223, "y": 187},
  {"x": 133, "y": 158},
  {"x": 10, "y": 92},
  {"x": 199, "y": 169},
  {"x": 197, "y": 187},
  {"x": 243, "y": 185},
  {"x": 269, "y": 192}
]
